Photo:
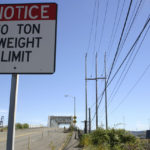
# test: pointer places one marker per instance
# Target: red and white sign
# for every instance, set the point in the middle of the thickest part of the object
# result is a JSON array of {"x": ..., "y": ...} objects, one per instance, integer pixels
[{"x": 28, "y": 38}]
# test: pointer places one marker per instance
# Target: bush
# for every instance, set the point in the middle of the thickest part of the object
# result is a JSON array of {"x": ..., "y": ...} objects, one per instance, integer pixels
[
  {"x": 120, "y": 137},
  {"x": 85, "y": 140},
  {"x": 111, "y": 139},
  {"x": 18, "y": 126},
  {"x": 99, "y": 136},
  {"x": 22, "y": 126},
  {"x": 25, "y": 126}
]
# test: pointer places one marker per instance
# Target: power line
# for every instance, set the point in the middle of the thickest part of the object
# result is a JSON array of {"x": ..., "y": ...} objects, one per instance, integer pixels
[
  {"x": 128, "y": 30},
  {"x": 130, "y": 50},
  {"x": 100, "y": 97},
  {"x": 133, "y": 13},
  {"x": 133, "y": 87},
  {"x": 125, "y": 58},
  {"x": 116, "y": 51},
  {"x": 121, "y": 81},
  {"x": 96, "y": 26},
  {"x": 112, "y": 33},
  {"x": 105, "y": 16},
  {"x": 101, "y": 38},
  {"x": 92, "y": 24},
  {"x": 102, "y": 94},
  {"x": 133, "y": 50},
  {"x": 120, "y": 40},
  {"x": 117, "y": 27},
  {"x": 118, "y": 83}
]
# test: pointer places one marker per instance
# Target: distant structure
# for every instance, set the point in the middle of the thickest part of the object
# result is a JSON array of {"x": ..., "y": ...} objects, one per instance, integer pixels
[
  {"x": 36, "y": 125},
  {"x": 55, "y": 121},
  {"x": 1, "y": 123},
  {"x": 148, "y": 134}
]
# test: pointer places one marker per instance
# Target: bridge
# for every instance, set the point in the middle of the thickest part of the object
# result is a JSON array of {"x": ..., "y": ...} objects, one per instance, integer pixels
[{"x": 55, "y": 121}]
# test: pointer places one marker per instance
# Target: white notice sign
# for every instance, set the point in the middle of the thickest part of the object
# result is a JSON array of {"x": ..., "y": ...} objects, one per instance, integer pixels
[{"x": 28, "y": 38}]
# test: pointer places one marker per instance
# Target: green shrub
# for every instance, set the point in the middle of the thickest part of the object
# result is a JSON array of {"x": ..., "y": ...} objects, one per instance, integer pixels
[
  {"x": 114, "y": 138},
  {"x": 99, "y": 136},
  {"x": 25, "y": 126},
  {"x": 126, "y": 137},
  {"x": 22, "y": 126},
  {"x": 111, "y": 139},
  {"x": 99, "y": 147},
  {"x": 85, "y": 140},
  {"x": 19, "y": 126}
]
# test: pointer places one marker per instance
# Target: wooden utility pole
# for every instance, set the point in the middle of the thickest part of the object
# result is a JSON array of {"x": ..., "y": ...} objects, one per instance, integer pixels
[
  {"x": 89, "y": 120},
  {"x": 96, "y": 92},
  {"x": 96, "y": 79},
  {"x": 106, "y": 115},
  {"x": 85, "y": 123}
]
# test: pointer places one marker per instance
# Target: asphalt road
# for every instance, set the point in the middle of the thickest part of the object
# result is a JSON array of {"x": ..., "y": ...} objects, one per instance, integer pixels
[
  {"x": 36, "y": 139},
  {"x": 73, "y": 143}
]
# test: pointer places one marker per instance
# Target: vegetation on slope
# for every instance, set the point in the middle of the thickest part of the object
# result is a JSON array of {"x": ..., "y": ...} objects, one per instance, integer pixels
[{"x": 112, "y": 139}]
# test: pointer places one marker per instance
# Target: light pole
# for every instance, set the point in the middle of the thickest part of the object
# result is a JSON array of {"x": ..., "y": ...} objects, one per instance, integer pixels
[{"x": 74, "y": 98}]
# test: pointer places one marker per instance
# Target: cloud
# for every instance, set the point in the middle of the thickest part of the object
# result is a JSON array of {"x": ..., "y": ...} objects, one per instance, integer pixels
[
  {"x": 3, "y": 111},
  {"x": 141, "y": 126}
]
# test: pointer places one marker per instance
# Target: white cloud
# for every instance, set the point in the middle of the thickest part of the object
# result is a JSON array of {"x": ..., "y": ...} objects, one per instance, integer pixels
[
  {"x": 141, "y": 126},
  {"x": 3, "y": 111}
]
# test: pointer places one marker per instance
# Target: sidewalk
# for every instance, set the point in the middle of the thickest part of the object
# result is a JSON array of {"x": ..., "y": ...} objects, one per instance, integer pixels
[{"x": 73, "y": 143}]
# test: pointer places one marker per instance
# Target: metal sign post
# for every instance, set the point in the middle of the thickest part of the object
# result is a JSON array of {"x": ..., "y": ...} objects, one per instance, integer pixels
[{"x": 12, "y": 112}]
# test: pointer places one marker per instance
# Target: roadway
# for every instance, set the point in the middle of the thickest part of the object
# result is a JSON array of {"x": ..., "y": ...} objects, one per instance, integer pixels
[{"x": 36, "y": 139}]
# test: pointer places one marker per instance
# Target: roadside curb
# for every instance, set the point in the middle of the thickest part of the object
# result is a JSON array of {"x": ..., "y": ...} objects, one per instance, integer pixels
[{"x": 66, "y": 141}]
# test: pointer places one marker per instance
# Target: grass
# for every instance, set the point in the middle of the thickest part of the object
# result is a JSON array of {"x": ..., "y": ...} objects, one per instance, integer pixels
[
  {"x": 66, "y": 141},
  {"x": 52, "y": 146}
]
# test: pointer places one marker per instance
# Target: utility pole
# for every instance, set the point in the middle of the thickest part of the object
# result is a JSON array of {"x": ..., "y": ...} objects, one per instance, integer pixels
[
  {"x": 85, "y": 128},
  {"x": 106, "y": 115},
  {"x": 96, "y": 92},
  {"x": 89, "y": 120},
  {"x": 96, "y": 79}
]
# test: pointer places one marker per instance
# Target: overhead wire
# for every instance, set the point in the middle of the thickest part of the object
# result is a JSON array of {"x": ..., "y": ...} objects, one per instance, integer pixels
[
  {"x": 120, "y": 40},
  {"x": 121, "y": 81},
  {"x": 113, "y": 37},
  {"x": 92, "y": 25},
  {"x": 91, "y": 29},
  {"x": 116, "y": 27},
  {"x": 130, "y": 26},
  {"x": 129, "y": 29},
  {"x": 103, "y": 26},
  {"x": 95, "y": 36},
  {"x": 143, "y": 29},
  {"x": 116, "y": 51},
  {"x": 116, "y": 87},
  {"x": 96, "y": 26},
  {"x": 133, "y": 87},
  {"x": 127, "y": 55}
]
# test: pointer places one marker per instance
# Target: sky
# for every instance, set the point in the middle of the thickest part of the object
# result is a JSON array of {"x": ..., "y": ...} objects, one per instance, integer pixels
[{"x": 40, "y": 96}]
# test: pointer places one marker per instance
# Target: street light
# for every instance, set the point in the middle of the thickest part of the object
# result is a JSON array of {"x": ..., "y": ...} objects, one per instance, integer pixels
[{"x": 74, "y": 98}]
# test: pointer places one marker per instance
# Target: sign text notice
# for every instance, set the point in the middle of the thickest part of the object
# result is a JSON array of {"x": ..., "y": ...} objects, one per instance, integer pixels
[{"x": 28, "y": 38}]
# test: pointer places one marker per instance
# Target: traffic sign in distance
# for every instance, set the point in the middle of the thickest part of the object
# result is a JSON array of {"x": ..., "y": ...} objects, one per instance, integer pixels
[
  {"x": 28, "y": 38},
  {"x": 74, "y": 121},
  {"x": 74, "y": 117}
]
